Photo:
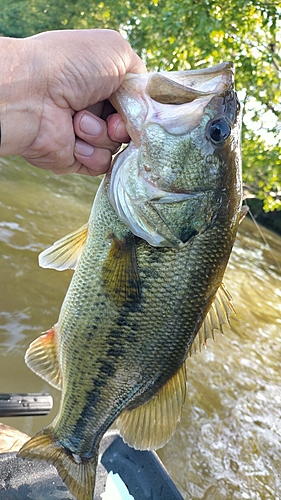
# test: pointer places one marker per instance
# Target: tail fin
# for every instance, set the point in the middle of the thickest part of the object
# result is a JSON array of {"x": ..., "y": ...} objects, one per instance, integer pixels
[{"x": 78, "y": 474}]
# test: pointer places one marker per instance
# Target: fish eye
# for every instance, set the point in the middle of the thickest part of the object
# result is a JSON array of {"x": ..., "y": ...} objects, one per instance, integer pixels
[{"x": 219, "y": 130}]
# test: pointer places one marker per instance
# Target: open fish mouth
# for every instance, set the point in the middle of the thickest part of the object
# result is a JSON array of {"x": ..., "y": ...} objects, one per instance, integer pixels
[
  {"x": 146, "y": 187},
  {"x": 178, "y": 87},
  {"x": 175, "y": 99}
]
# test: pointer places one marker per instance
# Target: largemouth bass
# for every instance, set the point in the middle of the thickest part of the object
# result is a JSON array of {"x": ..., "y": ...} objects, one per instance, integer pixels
[{"x": 147, "y": 288}]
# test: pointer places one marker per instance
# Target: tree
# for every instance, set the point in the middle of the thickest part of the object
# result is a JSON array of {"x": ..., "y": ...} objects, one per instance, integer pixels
[{"x": 180, "y": 34}]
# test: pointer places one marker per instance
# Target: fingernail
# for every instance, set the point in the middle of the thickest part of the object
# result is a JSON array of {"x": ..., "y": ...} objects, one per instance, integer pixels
[
  {"x": 84, "y": 149},
  {"x": 89, "y": 125}
]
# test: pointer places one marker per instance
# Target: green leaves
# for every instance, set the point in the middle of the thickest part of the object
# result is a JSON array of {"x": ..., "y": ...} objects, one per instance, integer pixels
[{"x": 180, "y": 34}]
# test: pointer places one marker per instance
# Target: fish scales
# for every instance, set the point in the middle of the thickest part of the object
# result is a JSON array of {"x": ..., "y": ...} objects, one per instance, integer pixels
[
  {"x": 176, "y": 329},
  {"x": 148, "y": 271}
]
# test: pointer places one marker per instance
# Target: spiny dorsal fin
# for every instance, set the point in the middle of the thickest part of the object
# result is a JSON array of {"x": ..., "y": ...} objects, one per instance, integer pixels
[
  {"x": 151, "y": 425},
  {"x": 66, "y": 252},
  {"x": 217, "y": 316},
  {"x": 42, "y": 358},
  {"x": 244, "y": 211},
  {"x": 120, "y": 274}
]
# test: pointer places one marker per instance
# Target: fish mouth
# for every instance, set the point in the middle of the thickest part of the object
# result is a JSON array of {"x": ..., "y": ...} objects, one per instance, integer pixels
[
  {"x": 146, "y": 188},
  {"x": 179, "y": 87},
  {"x": 175, "y": 100}
]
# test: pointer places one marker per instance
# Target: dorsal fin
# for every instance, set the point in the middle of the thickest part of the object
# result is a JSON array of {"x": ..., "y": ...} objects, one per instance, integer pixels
[
  {"x": 244, "y": 211},
  {"x": 151, "y": 425},
  {"x": 217, "y": 316},
  {"x": 42, "y": 358},
  {"x": 66, "y": 252},
  {"x": 120, "y": 274}
]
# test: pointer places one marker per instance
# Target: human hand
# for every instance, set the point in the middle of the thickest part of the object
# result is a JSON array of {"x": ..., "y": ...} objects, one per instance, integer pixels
[
  {"x": 98, "y": 138},
  {"x": 48, "y": 82}
]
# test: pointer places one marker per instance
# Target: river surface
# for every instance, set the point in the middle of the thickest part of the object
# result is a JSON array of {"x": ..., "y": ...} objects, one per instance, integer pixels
[{"x": 228, "y": 443}]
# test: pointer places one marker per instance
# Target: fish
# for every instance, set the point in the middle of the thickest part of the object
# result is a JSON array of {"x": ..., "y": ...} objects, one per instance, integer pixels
[{"x": 147, "y": 291}]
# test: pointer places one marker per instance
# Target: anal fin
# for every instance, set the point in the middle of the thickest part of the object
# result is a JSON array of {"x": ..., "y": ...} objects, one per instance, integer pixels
[
  {"x": 42, "y": 358},
  {"x": 152, "y": 424}
]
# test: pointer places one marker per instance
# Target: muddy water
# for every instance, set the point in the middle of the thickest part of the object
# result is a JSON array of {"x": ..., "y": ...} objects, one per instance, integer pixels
[{"x": 228, "y": 443}]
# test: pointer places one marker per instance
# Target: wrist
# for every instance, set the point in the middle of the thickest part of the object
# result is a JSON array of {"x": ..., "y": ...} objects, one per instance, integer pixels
[{"x": 19, "y": 110}]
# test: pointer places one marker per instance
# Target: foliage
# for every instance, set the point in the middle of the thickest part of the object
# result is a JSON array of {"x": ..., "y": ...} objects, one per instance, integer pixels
[{"x": 180, "y": 34}]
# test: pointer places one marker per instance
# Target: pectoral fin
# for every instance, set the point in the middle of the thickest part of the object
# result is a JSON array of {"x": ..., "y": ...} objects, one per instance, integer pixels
[
  {"x": 42, "y": 358},
  {"x": 152, "y": 424},
  {"x": 66, "y": 252},
  {"x": 120, "y": 272},
  {"x": 217, "y": 316}
]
